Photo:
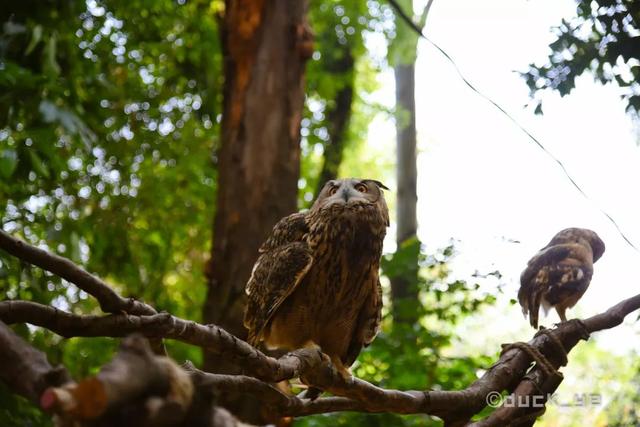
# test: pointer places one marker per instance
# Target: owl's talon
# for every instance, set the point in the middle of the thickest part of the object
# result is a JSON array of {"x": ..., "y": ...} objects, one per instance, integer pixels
[{"x": 346, "y": 376}]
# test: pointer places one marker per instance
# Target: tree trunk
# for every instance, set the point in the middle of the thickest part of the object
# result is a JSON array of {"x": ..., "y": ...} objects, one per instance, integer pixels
[
  {"x": 265, "y": 44},
  {"x": 338, "y": 117},
  {"x": 404, "y": 287}
]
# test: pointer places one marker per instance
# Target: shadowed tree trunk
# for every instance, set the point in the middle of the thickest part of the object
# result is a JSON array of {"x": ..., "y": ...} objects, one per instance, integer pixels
[
  {"x": 338, "y": 116},
  {"x": 404, "y": 50},
  {"x": 266, "y": 44},
  {"x": 404, "y": 287}
]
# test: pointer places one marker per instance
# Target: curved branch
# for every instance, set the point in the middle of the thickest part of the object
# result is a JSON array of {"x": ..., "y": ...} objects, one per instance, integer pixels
[
  {"x": 455, "y": 407},
  {"x": 109, "y": 300},
  {"x": 281, "y": 403},
  {"x": 161, "y": 325},
  {"x": 614, "y": 316}
]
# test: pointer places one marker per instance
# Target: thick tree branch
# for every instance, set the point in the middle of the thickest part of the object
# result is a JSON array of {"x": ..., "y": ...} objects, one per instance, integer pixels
[
  {"x": 137, "y": 388},
  {"x": 613, "y": 316},
  {"x": 109, "y": 300},
  {"x": 24, "y": 369},
  {"x": 277, "y": 402},
  {"x": 162, "y": 325}
]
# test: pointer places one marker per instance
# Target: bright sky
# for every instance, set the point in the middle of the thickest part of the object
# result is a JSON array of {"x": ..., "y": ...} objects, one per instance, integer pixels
[
  {"x": 481, "y": 179},
  {"x": 483, "y": 182}
]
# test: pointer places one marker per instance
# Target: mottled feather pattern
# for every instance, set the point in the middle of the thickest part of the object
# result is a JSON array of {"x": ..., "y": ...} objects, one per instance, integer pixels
[
  {"x": 560, "y": 273},
  {"x": 280, "y": 271},
  {"x": 316, "y": 281},
  {"x": 289, "y": 229}
]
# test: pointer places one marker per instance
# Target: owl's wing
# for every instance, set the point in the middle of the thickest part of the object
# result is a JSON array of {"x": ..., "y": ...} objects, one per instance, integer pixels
[
  {"x": 283, "y": 262},
  {"x": 289, "y": 229},
  {"x": 367, "y": 326},
  {"x": 556, "y": 272}
]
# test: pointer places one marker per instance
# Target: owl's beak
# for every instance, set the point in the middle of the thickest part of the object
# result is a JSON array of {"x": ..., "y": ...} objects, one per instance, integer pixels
[{"x": 345, "y": 193}]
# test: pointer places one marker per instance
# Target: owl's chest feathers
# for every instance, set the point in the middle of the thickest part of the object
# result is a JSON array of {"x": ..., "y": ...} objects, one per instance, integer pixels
[
  {"x": 345, "y": 255},
  {"x": 325, "y": 306}
]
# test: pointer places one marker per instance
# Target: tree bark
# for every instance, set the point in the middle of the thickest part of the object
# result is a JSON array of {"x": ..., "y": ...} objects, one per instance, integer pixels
[
  {"x": 404, "y": 287},
  {"x": 265, "y": 45}
]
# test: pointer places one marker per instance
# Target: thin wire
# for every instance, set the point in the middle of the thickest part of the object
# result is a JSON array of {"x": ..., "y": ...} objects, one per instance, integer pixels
[{"x": 409, "y": 21}]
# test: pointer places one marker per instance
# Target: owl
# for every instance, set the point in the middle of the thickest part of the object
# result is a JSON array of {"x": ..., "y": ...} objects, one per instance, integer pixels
[
  {"x": 560, "y": 273},
  {"x": 315, "y": 283}
]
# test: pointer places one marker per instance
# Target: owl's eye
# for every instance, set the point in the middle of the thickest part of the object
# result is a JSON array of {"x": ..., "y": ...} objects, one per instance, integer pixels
[
  {"x": 333, "y": 190},
  {"x": 361, "y": 188}
]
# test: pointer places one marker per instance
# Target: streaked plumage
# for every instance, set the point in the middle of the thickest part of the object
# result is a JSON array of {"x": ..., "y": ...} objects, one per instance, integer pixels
[
  {"x": 316, "y": 281},
  {"x": 560, "y": 273}
]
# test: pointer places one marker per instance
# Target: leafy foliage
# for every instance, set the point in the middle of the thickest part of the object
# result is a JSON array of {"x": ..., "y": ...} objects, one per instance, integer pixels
[
  {"x": 341, "y": 60},
  {"x": 108, "y": 118},
  {"x": 623, "y": 409},
  {"x": 603, "y": 38}
]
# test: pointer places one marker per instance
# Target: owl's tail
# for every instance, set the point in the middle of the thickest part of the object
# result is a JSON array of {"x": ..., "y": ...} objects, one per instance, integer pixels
[{"x": 534, "y": 307}]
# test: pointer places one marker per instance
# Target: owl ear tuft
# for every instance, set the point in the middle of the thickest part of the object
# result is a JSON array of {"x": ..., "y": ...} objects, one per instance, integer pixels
[{"x": 379, "y": 184}]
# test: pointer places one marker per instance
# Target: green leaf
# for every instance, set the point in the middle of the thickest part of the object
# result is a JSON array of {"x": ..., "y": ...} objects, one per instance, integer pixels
[
  {"x": 50, "y": 64},
  {"x": 8, "y": 162},
  {"x": 38, "y": 165},
  {"x": 74, "y": 242},
  {"x": 36, "y": 35}
]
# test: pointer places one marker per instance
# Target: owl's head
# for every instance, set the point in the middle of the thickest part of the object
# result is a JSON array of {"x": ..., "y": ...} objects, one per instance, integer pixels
[
  {"x": 351, "y": 192},
  {"x": 580, "y": 235}
]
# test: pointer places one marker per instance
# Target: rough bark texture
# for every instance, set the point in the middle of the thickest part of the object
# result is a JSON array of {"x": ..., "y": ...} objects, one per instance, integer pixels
[
  {"x": 404, "y": 287},
  {"x": 266, "y": 44}
]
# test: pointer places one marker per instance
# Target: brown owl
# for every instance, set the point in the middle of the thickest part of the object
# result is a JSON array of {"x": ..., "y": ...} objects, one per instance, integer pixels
[
  {"x": 560, "y": 273},
  {"x": 316, "y": 281}
]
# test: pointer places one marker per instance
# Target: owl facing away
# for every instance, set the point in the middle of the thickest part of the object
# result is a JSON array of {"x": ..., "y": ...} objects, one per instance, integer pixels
[
  {"x": 559, "y": 274},
  {"x": 316, "y": 280}
]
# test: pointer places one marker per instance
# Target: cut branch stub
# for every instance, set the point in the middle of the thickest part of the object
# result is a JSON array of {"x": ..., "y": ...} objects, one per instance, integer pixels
[{"x": 148, "y": 386}]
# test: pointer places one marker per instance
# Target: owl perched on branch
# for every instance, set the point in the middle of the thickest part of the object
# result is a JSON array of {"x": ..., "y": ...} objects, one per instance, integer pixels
[
  {"x": 315, "y": 283},
  {"x": 560, "y": 273}
]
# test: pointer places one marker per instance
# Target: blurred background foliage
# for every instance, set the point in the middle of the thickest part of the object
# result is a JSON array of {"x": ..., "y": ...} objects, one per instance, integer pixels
[{"x": 109, "y": 124}]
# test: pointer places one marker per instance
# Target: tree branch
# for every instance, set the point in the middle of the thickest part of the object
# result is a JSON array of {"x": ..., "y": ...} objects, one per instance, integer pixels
[
  {"x": 24, "y": 369},
  {"x": 162, "y": 325},
  {"x": 137, "y": 388},
  {"x": 422, "y": 21},
  {"x": 455, "y": 407},
  {"x": 109, "y": 300},
  {"x": 547, "y": 351}
]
